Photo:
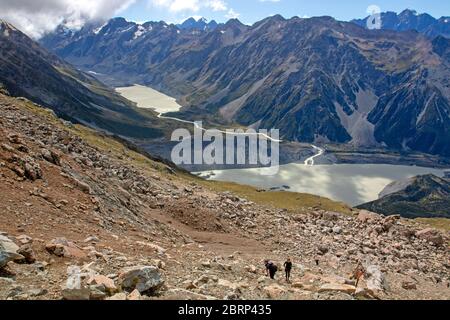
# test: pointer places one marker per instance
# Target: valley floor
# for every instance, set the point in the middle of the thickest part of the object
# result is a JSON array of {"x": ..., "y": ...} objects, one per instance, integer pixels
[{"x": 117, "y": 210}]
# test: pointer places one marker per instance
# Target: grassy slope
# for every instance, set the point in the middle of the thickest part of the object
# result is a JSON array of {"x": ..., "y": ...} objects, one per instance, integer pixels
[
  {"x": 438, "y": 223},
  {"x": 280, "y": 199}
]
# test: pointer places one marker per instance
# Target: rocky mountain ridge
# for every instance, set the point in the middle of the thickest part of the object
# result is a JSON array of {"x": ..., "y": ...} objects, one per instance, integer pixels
[
  {"x": 411, "y": 20},
  {"x": 201, "y": 24}
]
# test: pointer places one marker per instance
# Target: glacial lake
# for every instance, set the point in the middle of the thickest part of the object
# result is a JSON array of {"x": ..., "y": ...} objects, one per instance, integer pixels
[
  {"x": 353, "y": 184},
  {"x": 148, "y": 98}
]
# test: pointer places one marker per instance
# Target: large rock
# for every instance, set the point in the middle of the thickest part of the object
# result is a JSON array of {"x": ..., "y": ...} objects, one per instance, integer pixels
[
  {"x": 146, "y": 279},
  {"x": 409, "y": 285},
  {"x": 375, "y": 280},
  {"x": 24, "y": 239},
  {"x": 331, "y": 216},
  {"x": 153, "y": 246},
  {"x": 76, "y": 294},
  {"x": 108, "y": 283},
  {"x": 61, "y": 247},
  {"x": 367, "y": 216},
  {"x": 275, "y": 291},
  {"x": 98, "y": 292},
  {"x": 51, "y": 156},
  {"x": 338, "y": 287},
  {"x": 229, "y": 284},
  {"x": 134, "y": 296},
  {"x": 8, "y": 251},
  {"x": 309, "y": 279},
  {"x": 431, "y": 235},
  {"x": 118, "y": 297},
  {"x": 27, "y": 252},
  {"x": 251, "y": 269},
  {"x": 303, "y": 286},
  {"x": 32, "y": 169}
]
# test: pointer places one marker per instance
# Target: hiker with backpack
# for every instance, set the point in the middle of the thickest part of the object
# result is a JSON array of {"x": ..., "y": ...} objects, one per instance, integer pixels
[
  {"x": 287, "y": 269},
  {"x": 271, "y": 269}
]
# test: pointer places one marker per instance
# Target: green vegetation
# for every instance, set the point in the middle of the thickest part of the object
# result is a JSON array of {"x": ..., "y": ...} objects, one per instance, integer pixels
[
  {"x": 438, "y": 223},
  {"x": 298, "y": 202}
]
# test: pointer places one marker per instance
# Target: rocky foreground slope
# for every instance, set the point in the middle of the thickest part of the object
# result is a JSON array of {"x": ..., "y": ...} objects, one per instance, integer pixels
[{"x": 140, "y": 229}]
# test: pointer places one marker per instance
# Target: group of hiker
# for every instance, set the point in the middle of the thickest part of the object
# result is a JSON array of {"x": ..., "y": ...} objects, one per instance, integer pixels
[{"x": 272, "y": 269}]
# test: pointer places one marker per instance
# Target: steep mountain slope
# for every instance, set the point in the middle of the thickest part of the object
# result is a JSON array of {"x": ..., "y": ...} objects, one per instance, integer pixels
[
  {"x": 410, "y": 20},
  {"x": 317, "y": 80},
  {"x": 71, "y": 197},
  {"x": 441, "y": 46},
  {"x": 422, "y": 196},
  {"x": 27, "y": 70}
]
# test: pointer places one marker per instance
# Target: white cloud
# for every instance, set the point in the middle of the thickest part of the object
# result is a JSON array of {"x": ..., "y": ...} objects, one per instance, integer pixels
[
  {"x": 38, "y": 17},
  {"x": 217, "y": 5},
  {"x": 232, "y": 14},
  {"x": 176, "y": 6}
]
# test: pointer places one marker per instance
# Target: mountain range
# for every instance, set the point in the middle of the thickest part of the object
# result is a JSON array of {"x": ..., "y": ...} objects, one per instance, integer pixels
[
  {"x": 411, "y": 20},
  {"x": 317, "y": 80},
  {"x": 200, "y": 24},
  {"x": 143, "y": 229}
]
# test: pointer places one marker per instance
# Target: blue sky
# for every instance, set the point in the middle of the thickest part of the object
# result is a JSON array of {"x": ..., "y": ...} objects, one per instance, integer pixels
[{"x": 249, "y": 11}]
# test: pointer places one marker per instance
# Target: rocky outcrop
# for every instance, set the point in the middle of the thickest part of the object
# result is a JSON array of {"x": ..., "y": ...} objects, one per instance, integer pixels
[
  {"x": 28, "y": 254},
  {"x": 375, "y": 280},
  {"x": 61, "y": 247},
  {"x": 332, "y": 287},
  {"x": 147, "y": 279},
  {"x": 431, "y": 235},
  {"x": 107, "y": 283},
  {"x": 8, "y": 251},
  {"x": 275, "y": 292},
  {"x": 76, "y": 294}
]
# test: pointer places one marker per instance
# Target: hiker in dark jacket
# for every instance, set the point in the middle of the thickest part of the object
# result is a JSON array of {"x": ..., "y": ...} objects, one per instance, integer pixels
[
  {"x": 271, "y": 269},
  {"x": 287, "y": 269}
]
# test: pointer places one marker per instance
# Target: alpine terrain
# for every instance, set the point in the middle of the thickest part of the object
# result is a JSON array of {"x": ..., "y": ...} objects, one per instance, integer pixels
[
  {"x": 92, "y": 209},
  {"x": 317, "y": 80},
  {"x": 137, "y": 229}
]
